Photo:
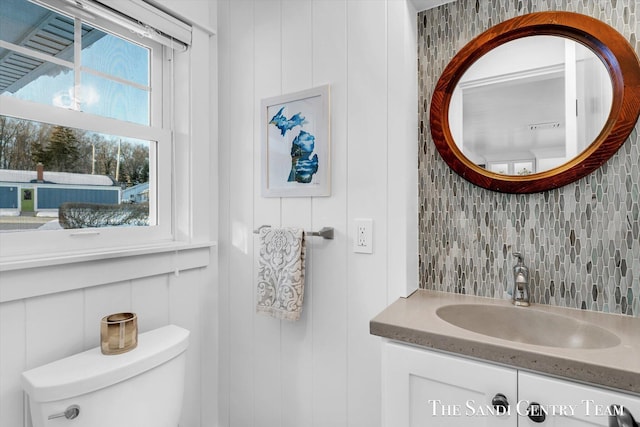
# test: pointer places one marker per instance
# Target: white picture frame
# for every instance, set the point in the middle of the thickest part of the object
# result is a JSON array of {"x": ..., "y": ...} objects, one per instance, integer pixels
[{"x": 296, "y": 154}]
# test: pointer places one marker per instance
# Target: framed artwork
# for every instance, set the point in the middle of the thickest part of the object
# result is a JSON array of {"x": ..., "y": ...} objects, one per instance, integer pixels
[
  {"x": 523, "y": 167},
  {"x": 517, "y": 167},
  {"x": 502, "y": 168},
  {"x": 295, "y": 144}
]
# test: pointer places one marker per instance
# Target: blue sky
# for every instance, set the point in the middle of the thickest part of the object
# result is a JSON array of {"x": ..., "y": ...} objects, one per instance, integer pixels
[{"x": 110, "y": 55}]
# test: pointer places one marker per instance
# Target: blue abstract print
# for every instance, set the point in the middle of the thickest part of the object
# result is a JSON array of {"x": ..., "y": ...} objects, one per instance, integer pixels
[
  {"x": 304, "y": 163},
  {"x": 284, "y": 124},
  {"x": 303, "y": 166}
]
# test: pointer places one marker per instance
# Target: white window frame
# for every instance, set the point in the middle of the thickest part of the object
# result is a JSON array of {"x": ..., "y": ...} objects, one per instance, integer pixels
[{"x": 18, "y": 247}]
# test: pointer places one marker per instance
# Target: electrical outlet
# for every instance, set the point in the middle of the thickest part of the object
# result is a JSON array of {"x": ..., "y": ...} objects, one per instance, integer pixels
[{"x": 363, "y": 239}]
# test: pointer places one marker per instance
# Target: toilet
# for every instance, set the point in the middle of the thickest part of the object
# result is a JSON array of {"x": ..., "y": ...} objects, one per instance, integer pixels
[{"x": 143, "y": 387}]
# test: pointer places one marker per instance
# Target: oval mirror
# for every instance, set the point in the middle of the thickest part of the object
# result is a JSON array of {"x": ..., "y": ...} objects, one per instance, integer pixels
[{"x": 536, "y": 102}]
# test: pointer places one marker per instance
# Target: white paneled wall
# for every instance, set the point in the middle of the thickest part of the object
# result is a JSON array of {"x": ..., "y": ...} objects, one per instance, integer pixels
[
  {"x": 39, "y": 330},
  {"x": 36, "y": 328},
  {"x": 323, "y": 370}
]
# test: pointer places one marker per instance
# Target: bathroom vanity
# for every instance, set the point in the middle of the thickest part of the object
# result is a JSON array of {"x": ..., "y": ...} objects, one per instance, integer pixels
[{"x": 439, "y": 372}]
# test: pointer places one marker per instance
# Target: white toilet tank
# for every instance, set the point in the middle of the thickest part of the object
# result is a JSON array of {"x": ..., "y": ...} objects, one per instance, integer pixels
[{"x": 140, "y": 388}]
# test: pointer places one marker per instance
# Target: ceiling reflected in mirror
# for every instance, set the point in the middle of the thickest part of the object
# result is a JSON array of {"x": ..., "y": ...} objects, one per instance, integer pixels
[
  {"x": 530, "y": 105},
  {"x": 536, "y": 102}
]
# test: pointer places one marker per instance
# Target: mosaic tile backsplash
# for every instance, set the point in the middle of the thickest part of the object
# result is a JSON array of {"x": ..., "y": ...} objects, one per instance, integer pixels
[{"x": 581, "y": 242}]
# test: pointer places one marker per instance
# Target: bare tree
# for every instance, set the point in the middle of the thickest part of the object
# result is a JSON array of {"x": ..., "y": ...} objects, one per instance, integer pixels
[
  {"x": 24, "y": 143},
  {"x": 16, "y": 139}
]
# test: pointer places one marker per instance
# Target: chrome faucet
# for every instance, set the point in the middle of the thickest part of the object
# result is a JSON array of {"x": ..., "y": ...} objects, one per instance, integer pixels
[{"x": 521, "y": 282}]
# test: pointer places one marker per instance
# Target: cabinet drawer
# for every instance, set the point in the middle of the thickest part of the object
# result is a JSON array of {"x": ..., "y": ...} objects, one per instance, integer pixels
[
  {"x": 569, "y": 404},
  {"x": 430, "y": 389}
]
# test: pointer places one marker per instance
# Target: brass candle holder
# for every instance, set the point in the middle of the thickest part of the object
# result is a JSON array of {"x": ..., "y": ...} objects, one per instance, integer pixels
[{"x": 118, "y": 333}]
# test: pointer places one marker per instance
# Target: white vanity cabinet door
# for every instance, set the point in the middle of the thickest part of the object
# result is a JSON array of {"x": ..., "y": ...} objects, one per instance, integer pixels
[
  {"x": 424, "y": 388},
  {"x": 569, "y": 404}
]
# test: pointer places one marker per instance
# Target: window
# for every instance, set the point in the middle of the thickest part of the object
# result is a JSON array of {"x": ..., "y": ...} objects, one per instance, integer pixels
[{"x": 85, "y": 138}]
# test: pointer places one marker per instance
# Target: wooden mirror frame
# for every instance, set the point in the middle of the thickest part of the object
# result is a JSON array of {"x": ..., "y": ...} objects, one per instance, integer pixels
[{"x": 610, "y": 46}]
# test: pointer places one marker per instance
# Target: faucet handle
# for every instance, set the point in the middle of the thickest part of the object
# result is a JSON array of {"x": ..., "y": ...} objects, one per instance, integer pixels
[{"x": 519, "y": 256}]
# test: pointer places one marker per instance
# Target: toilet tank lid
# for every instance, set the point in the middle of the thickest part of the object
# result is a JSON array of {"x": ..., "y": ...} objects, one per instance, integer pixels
[{"x": 91, "y": 370}]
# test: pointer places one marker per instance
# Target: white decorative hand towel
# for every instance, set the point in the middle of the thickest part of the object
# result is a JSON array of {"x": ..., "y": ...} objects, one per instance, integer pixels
[{"x": 281, "y": 273}]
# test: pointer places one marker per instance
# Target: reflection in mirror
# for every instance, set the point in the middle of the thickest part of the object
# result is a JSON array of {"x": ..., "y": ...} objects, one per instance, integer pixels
[
  {"x": 585, "y": 153},
  {"x": 530, "y": 105}
]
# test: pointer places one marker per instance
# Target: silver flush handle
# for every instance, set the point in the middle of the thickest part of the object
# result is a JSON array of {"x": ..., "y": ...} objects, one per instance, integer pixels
[{"x": 70, "y": 413}]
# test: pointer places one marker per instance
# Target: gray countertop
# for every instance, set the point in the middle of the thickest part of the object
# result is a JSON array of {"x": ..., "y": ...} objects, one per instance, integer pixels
[{"x": 414, "y": 320}]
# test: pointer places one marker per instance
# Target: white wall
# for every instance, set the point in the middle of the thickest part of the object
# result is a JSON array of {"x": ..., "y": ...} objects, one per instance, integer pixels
[
  {"x": 38, "y": 330},
  {"x": 323, "y": 370},
  {"x": 58, "y": 310}
]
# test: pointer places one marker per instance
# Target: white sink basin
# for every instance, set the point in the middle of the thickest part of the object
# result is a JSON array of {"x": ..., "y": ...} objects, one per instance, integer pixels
[{"x": 526, "y": 325}]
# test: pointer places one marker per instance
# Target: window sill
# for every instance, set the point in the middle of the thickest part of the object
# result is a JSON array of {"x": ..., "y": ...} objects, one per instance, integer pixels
[{"x": 26, "y": 277}]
